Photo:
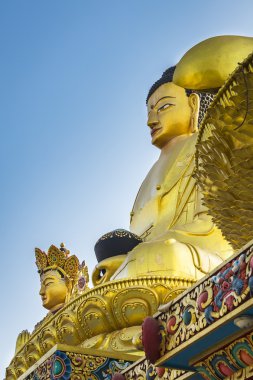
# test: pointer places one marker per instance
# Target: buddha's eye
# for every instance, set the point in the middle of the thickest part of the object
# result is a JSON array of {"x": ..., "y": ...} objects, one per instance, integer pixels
[
  {"x": 49, "y": 283},
  {"x": 164, "y": 107}
]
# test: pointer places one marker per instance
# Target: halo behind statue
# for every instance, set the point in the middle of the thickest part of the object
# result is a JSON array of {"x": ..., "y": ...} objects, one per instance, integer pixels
[
  {"x": 208, "y": 64},
  {"x": 224, "y": 156}
]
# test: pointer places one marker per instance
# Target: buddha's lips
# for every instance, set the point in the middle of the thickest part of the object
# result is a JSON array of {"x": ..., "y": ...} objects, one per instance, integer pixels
[{"x": 154, "y": 130}]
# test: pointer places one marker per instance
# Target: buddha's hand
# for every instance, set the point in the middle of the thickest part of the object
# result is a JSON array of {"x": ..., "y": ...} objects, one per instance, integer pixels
[{"x": 22, "y": 339}]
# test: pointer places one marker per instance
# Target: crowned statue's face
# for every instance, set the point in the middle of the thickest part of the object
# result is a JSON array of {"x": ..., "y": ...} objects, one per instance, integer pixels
[
  {"x": 170, "y": 113},
  {"x": 53, "y": 290}
]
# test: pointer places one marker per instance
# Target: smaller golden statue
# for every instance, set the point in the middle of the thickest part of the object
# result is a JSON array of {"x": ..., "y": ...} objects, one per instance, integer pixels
[
  {"x": 61, "y": 276},
  {"x": 62, "y": 279}
]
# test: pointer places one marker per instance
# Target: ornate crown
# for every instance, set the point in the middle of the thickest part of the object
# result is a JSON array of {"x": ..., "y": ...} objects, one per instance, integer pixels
[{"x": 57, "y": 258}]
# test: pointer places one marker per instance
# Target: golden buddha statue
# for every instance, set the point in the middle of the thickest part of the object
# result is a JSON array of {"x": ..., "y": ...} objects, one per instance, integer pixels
[
  {"x": 180, "y": 239},
  {"x": 173, "y": 240}
]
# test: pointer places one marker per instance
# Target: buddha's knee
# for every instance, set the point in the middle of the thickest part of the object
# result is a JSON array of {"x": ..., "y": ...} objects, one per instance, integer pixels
[
  {"x": 173, "y": 258},
  {"x": 168, "y": 258},
  {"x": 193, "y": 256}
]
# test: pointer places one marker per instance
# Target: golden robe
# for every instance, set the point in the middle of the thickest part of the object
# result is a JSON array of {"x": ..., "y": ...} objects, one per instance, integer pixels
[{"x": 180, "y": 239}]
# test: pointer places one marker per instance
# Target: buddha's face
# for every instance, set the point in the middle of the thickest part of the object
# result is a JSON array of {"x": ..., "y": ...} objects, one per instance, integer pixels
[
  {"x": 170, "y": 113},
  {"x": 53, "y": 290}
]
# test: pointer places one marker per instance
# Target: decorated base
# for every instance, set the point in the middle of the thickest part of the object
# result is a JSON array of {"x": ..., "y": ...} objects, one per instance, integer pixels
[
  {"x": 105, "y": 319},
  {"x": 65, "y": 362},
  {"x": 206, "y": 332}
]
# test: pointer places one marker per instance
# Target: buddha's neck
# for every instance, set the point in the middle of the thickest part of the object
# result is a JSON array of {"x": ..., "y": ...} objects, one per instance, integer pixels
[
  {"x": 56, "y": 308},
  {"x": 173, "y": 143}
]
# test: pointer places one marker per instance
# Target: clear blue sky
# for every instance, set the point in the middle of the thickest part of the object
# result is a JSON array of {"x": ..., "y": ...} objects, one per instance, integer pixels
[{"x": 74, "y": 142}]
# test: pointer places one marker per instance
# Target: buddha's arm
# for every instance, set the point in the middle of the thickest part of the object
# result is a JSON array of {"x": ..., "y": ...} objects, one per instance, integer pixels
[
  {"x": 202, "y": 224},
  {"x": 202, "y": 233},
  {"x": 193, "y": 225}
]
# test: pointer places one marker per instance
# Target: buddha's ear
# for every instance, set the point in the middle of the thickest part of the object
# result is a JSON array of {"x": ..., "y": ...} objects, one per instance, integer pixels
[
  {"x": 69, "y": 284},
  {"x": 194, "y": 103}
]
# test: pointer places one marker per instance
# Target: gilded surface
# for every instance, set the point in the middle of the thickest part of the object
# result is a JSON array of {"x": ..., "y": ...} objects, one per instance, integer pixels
[
  {"x": 62, "y": 277},
  {"x": 107, "y": 317},
  {"x": 224, "y": 157},
  {"x": 209, "y": 63},
  {"x": 168, "y": 212},
  {"x": 183, "y": 238},
  {"x": 180, "y": 238}
]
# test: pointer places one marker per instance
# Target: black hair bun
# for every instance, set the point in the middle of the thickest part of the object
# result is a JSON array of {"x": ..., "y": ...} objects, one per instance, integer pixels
[{"x": 114, "y": 243}]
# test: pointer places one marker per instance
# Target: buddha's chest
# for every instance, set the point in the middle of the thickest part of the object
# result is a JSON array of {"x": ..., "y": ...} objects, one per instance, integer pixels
[{"x": 161, "y": 199}]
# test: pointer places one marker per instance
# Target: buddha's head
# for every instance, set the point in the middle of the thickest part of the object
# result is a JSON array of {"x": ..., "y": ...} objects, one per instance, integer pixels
[
  {"x": 54, "y": 289},
  {"x": 58, "y": 276},
  {"x": 174, "y": 111},
  {"x": 178, "y": 101}
]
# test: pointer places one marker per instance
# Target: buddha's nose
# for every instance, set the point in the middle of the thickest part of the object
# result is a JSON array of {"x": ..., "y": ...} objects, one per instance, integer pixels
[
  {"x": 42, "y": 291},
  {"x": 152, "y": 119}
]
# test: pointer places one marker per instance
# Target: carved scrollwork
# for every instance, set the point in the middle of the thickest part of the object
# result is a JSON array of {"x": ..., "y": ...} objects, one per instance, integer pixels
[
  {"x": 123, "y": 340},
  {"x": 32, "y": 352},
  {"x": 11, "y": 373},
  {"x": 68, "y": 329},
  {"x": 131, "y": 306},
  {"x": 47, "y": 338},
  {"x": 95, "y": 316},
  {"x": 173, "y": 294},
  {"x": 101, "y": 318},
  {"x": 20, "y": 365},
  {"x": 144, "y": 370}
]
